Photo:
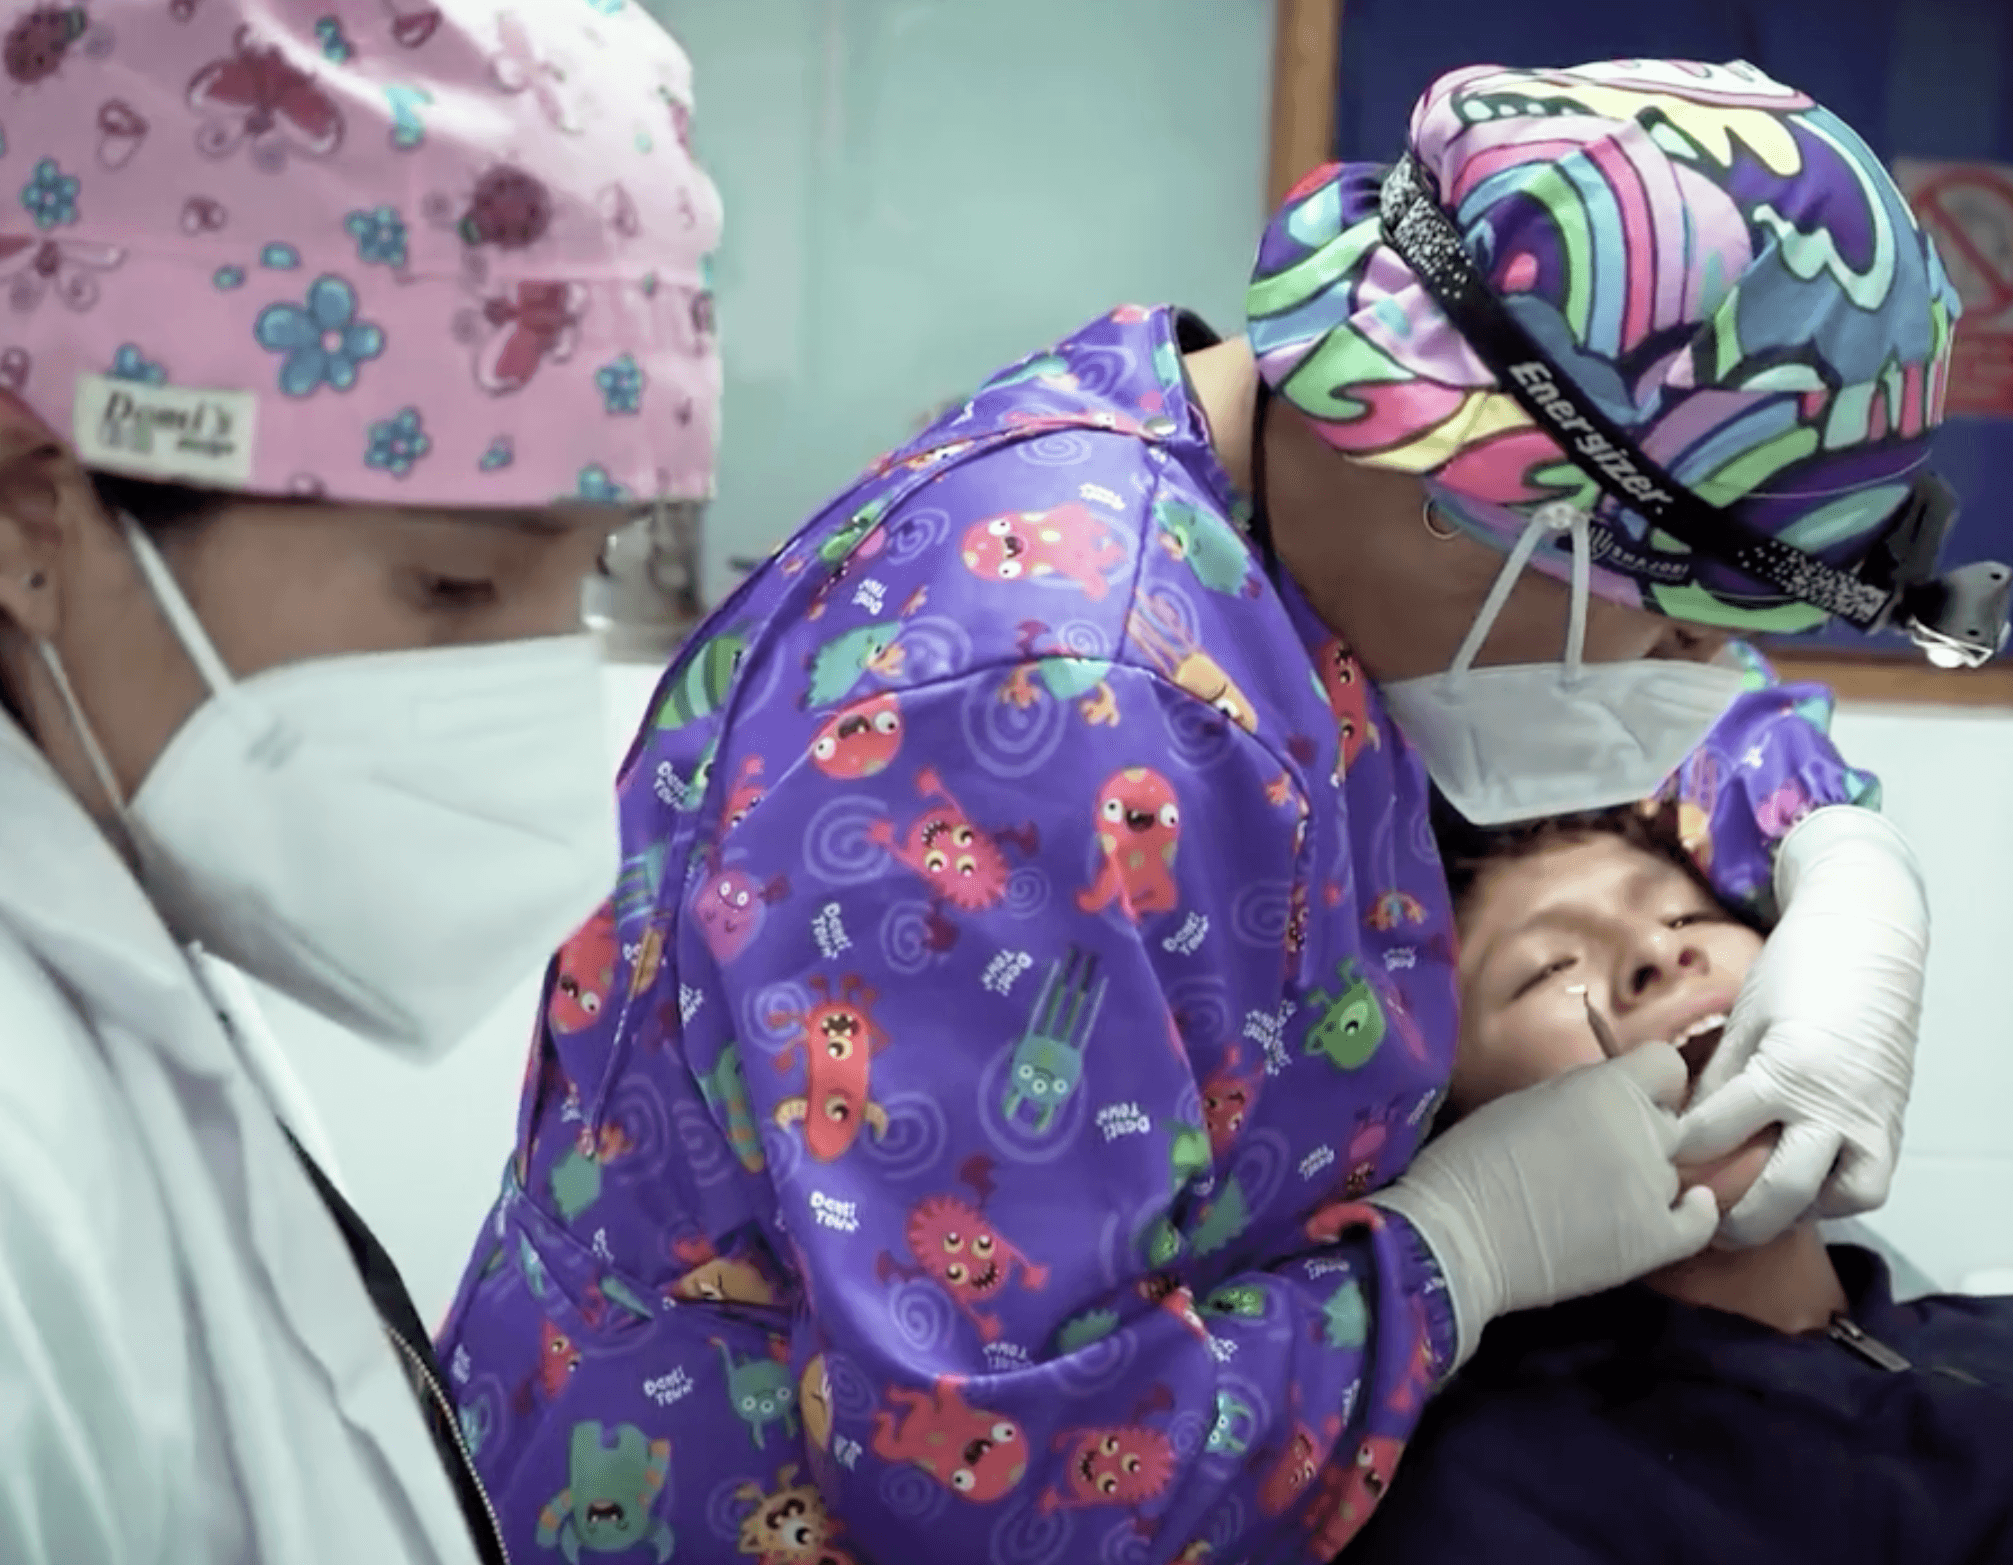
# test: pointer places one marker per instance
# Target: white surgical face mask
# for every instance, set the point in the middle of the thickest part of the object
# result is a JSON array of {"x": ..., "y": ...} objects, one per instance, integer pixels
[
  {"x": 394, "y": 839},
  {"x": 1529, "y": 740}
]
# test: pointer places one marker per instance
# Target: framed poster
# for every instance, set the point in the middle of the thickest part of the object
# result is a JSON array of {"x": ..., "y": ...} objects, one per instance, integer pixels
[{"x": 1929, "y": 83}]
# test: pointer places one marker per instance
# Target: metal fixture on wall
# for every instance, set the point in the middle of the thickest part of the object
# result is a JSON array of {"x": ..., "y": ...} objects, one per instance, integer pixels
[{"x": 645, "y": 599}]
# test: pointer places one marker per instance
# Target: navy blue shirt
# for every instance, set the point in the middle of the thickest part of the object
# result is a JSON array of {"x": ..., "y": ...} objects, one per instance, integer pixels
[{"x": 1630, "y": 1427}]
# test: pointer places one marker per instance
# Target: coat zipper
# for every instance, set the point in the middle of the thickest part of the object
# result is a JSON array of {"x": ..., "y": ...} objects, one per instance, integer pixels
[
  {"x": 446, "y": 1410},
  {"x": 1847, "y": 1332}
]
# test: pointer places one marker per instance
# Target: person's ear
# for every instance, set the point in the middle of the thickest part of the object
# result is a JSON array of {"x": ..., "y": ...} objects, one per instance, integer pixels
[
  {"x": 1690, "y": 643},
  {"x": 46, "y": 499}
]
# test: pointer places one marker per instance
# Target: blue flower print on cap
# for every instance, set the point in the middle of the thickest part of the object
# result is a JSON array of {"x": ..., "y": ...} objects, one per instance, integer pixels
[
  {"x": 335, "y": 46},
  {"x": 50, "y": 196},
  {"x": 129, "y": 363},
  {"x": 621, "y": 385},
  {"x": 321, "y": 341},
  {"x": 408, "y": 130},
  {"x": 397, "y": 442},
  {"x": 379, "y": 233},
  {"x": 595, "y": 484},
  {"x": 501, "y": 453},
  {"x": 228, "y": 277},
  {"x": 279, "y": 257}
]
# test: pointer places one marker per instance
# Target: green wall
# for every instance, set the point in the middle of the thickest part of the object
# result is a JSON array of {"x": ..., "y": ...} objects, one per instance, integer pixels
[{"x": 917, "y": 191}]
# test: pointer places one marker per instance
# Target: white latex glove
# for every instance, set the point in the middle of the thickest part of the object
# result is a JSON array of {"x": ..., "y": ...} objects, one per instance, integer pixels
[
  {"x": 1562, "y": 1189},
  {"x": 1822, "y": 1038}
]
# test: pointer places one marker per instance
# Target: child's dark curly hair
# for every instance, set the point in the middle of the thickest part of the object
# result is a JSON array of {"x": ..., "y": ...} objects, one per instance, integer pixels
[{"x": 1467, "y": 851}]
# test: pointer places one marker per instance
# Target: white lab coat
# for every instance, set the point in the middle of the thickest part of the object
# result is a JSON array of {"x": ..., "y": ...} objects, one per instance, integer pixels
[{"x": 190, "y": 1370}]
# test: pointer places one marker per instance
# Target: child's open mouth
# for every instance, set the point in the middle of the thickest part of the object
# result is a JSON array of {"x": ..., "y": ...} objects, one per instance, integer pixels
[{"x": 1695, "y": 1046}]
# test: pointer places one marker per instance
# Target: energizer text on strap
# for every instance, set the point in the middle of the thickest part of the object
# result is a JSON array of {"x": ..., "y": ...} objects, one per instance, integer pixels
[{"x": 1430, "y": 243}]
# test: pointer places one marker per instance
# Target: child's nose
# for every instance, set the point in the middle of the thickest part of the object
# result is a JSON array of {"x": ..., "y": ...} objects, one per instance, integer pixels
[{"x": 1661, "y": 956}]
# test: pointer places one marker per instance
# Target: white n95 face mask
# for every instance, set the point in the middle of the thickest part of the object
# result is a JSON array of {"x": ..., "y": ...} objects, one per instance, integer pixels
[
  {"x": 1529, "y": 740},
  {"x": 394, "y": 839}
]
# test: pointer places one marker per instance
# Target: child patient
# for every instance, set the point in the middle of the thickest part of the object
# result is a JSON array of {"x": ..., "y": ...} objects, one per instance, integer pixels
[{"x": 1770, "y": 1405}]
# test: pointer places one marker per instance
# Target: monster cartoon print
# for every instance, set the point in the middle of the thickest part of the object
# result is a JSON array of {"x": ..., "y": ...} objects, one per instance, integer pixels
[
  {"x": 1188, "y": 1152},
  {"x": 814, "y": 1402},
  {"x": 1208, "y": 545},
  {"x": 742, "y": 798},
  {"x": 725, "y": 1090},
  {"x": 1293, "y": 1471},
  {"x": 1363, "y": 1153},
  {"x": 1138, "y": 831},
  {"x": 576, "y": 1178},
  {"x": 584, "y": 974},
  {"x": 1068, "y": 543},
  {"x": 904, "y": 1274},
  {"x": 1346, "y": 688},
  {"x": 1348, "y": 1494},
  {"x": 721, "y": 1279},
  {"x": 1130, "y": 1464},
  {"x": 606, "y": 1294},
  {"x": 531, "y": 1268},
  {"x": 1051, "y": 368},
  {"x": 478, "y": 1422},
  {"x": 636, "y": 888},
  {"x": 843, "y": 542},
  {"x": 978, "y": 1456},
  {"x": 636, "y": 884},
  {"x": 1047, "y": 1063},
  {"x": 1345, "y": 1317},
  {"x": 1228, "y": 1098},
  {"x": 1394, "y": 909},
  {"x": 558, "y": 1361},
  {"x": 1169, "y": 1293},
  {"x": 838, "y": 665},
  {"x": 789, "y": 1524},
  {"x": 842, "y": 561},
  {"x": 1222, "y": 1219},
  {"x": 685, "y": 790},
  {"x": 612, "y": 1486},
  {"x": 1240, "y": 1300},
  {"x": 760, "y": 1389},
  {"x": 955, "y": 1244},
  {"x": 1217, "y": 1223},
  {"x": 1231, "y": 1432},
  {"x": 730, "y": 907},
  {"x": 961, "y": 862},
  {"x": 702, "y": 680},
  {"x": 839, "y": 1038},
  {"x": 1347, "y": 1026},
  {"x": 1065, "y": 675},
  {"x": 1188, "y": 1159},
  {"x": 1157, "y": 628},
  {"x": 859, "y": 740}
]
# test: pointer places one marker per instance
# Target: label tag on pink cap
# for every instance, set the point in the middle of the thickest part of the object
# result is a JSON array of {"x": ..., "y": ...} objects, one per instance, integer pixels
[{"x": 185, "y": 434}]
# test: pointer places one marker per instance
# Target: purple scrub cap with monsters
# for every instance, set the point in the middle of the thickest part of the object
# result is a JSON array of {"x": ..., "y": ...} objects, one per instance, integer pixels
[{"x": 1683, "y": 299}]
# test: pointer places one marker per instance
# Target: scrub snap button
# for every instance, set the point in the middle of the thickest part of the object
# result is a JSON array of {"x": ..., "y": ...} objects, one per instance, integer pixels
[
  {"x": 1558, "y": 515},
  {"x": 1159, "y": 425}
]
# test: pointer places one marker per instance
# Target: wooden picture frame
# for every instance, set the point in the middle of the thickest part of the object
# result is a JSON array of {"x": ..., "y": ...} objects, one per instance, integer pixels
[{"x": 1306, "y": 50}]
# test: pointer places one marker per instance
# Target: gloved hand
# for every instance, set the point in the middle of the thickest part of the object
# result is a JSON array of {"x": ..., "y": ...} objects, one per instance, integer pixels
[
  {"x": 1559, "y": 1190},
  {"x": 1822, "y": 1038}
]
